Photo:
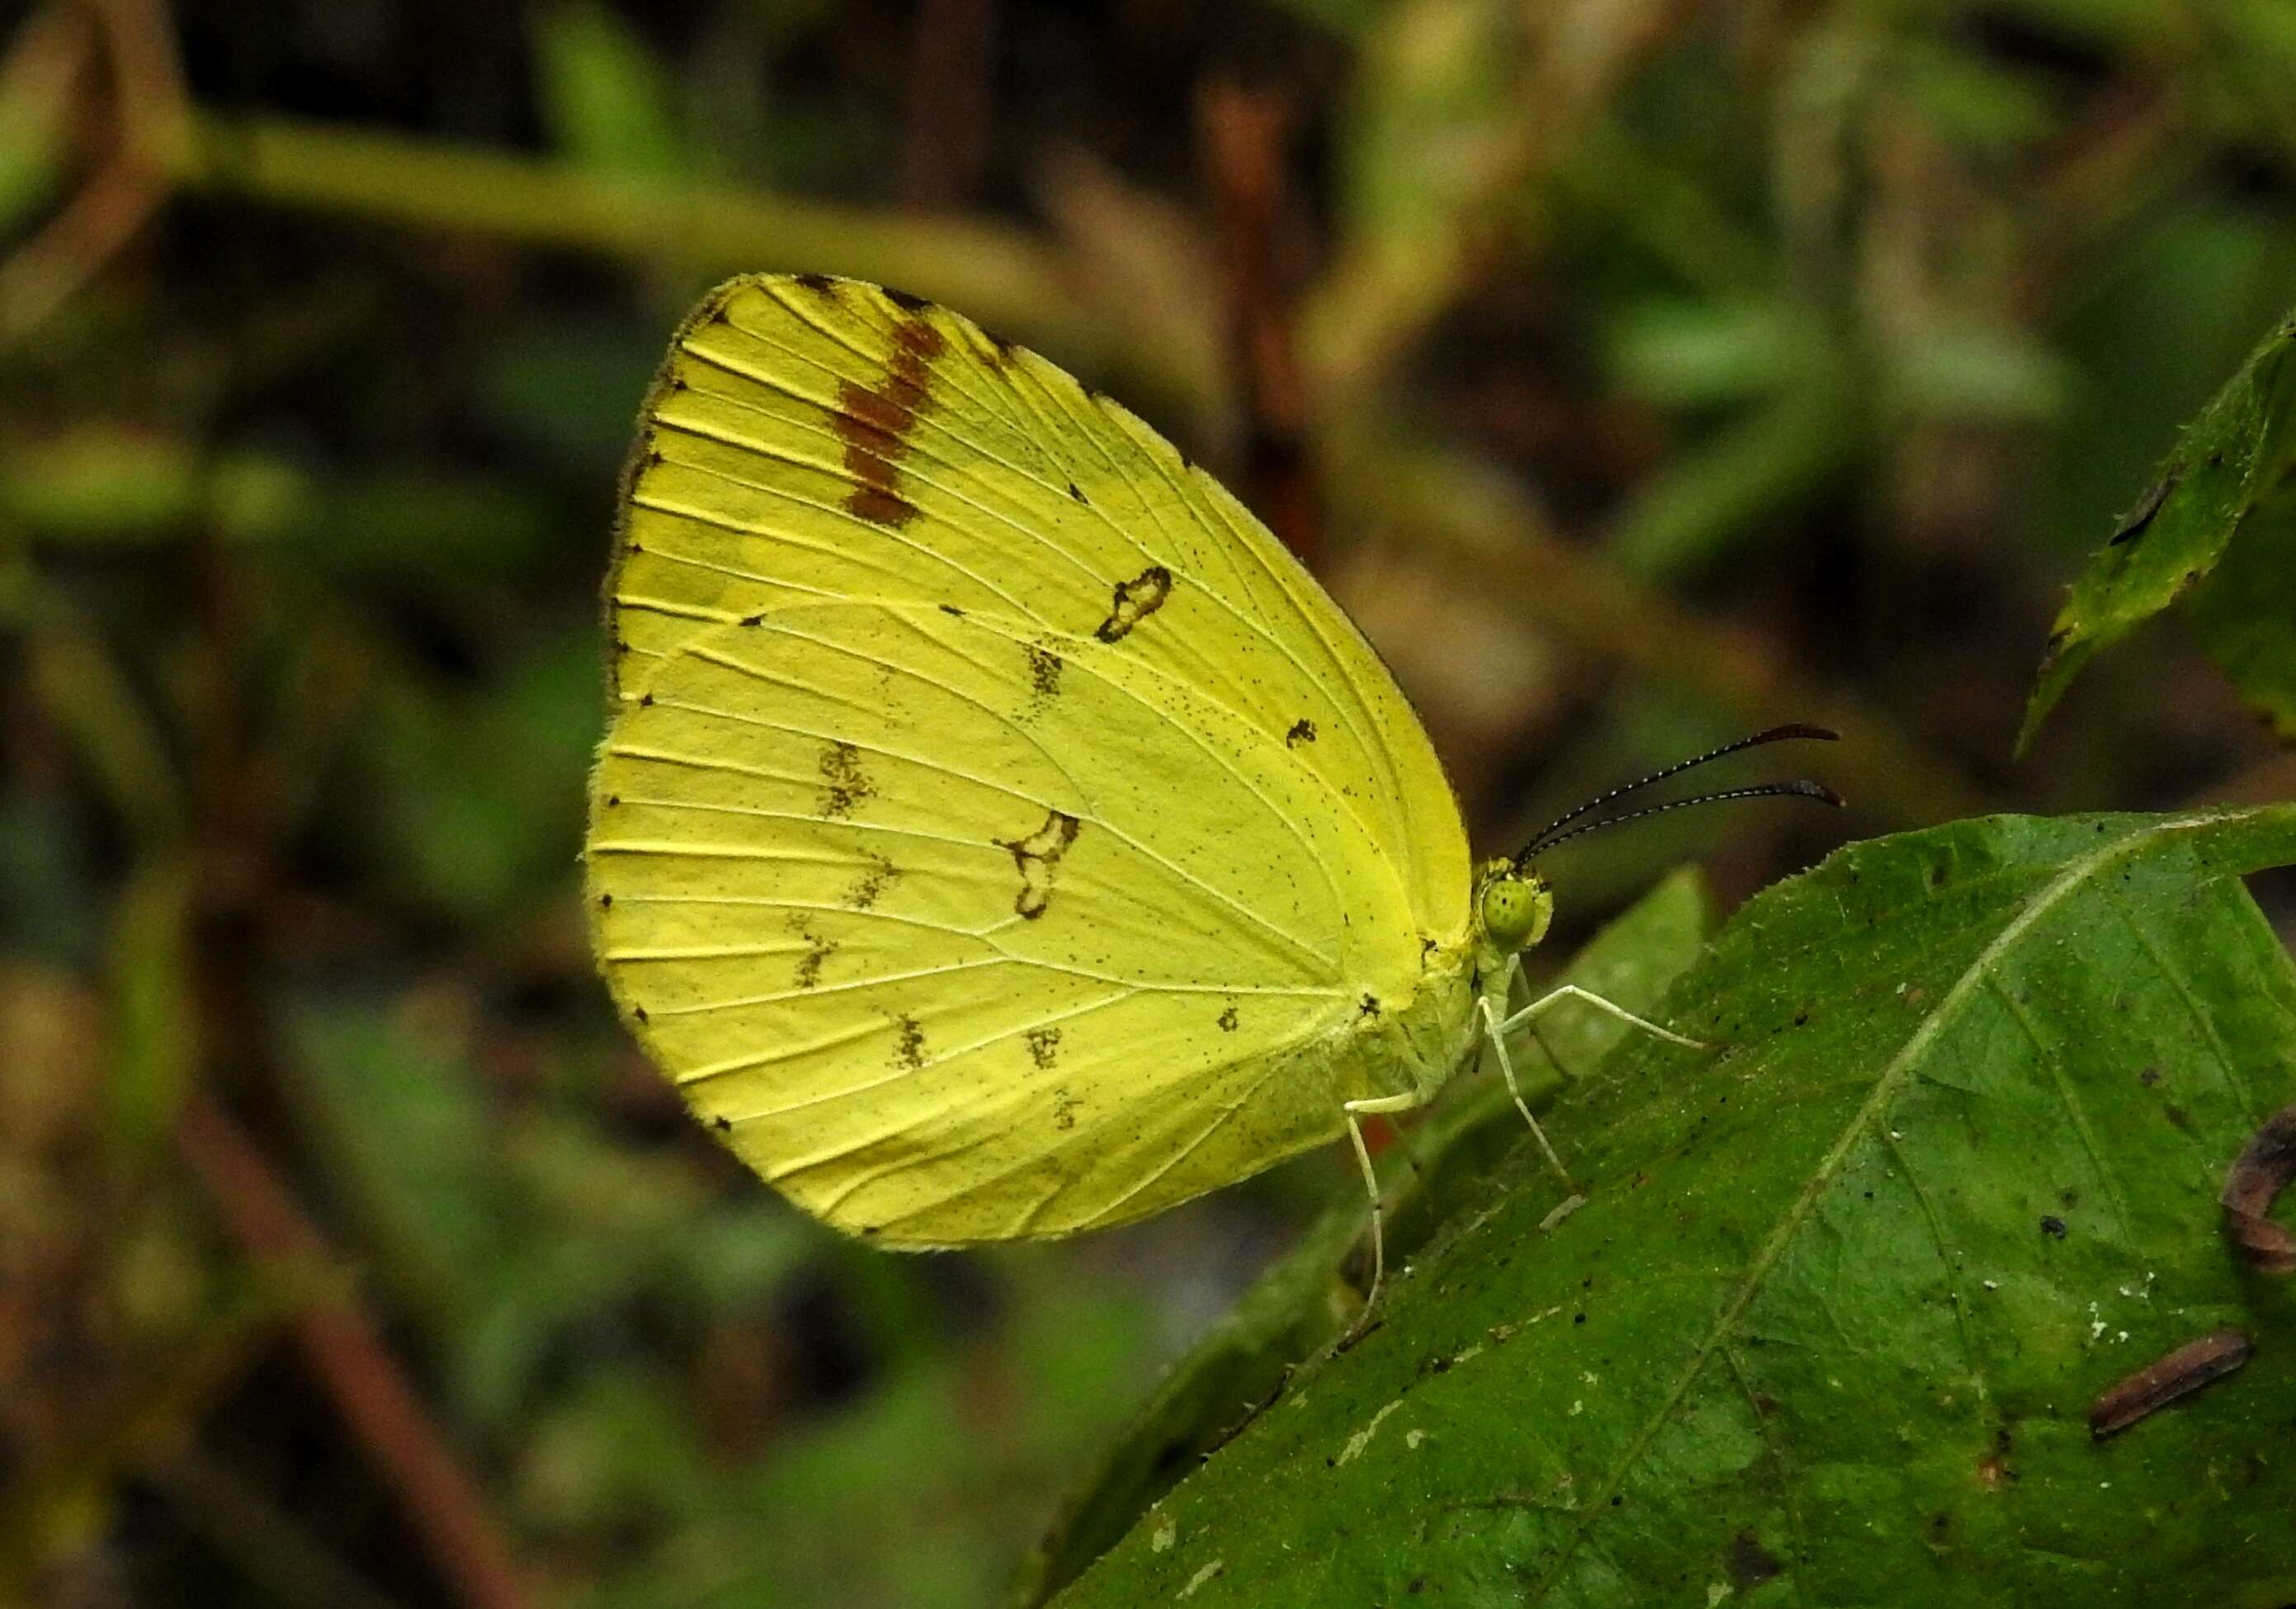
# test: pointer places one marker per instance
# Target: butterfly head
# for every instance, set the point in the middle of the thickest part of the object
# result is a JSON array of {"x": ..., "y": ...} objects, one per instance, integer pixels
[{"x": 1513, "y": 908}]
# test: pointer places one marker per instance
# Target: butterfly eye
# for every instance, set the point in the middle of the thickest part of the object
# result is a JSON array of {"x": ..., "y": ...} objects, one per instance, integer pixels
[{"x": 1515, "y": 911}]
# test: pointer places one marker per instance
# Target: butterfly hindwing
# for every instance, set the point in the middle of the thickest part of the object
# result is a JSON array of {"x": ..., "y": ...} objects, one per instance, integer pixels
[{"x": 963, "y": 947}]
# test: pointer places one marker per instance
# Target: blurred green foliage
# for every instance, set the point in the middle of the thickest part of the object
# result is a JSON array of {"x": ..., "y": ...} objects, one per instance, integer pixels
[{"x": 1667, "y": 371}]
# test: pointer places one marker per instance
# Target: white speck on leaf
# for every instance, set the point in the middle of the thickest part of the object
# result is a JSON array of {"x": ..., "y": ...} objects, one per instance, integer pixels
[
  {"x": 1362, "y": 1438},
  {"x": 1413, "y": 1437},
  {"x": 1168, "y": 1533},
  {"x": 1199, "y": 1578}
]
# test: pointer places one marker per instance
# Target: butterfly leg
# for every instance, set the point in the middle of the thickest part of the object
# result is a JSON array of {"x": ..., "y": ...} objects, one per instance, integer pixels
[
  {"x": 1495, "y": 1028},
  {"x": 1356, "y": 1111},
  {"x": 1571, "y": 991}
]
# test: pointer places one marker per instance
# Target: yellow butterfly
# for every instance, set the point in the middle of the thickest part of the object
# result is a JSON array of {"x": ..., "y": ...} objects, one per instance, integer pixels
[{"x": 999, "y": 833}]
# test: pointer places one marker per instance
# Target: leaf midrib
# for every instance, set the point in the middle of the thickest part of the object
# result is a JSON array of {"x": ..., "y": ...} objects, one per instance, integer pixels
[{"x": 1885, "y": 1088}]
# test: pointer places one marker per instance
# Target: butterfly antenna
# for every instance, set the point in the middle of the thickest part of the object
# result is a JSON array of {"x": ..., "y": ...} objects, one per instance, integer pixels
[
  {"x": 1800, "y": 788},
  {"x": 1544, "y": 836}
]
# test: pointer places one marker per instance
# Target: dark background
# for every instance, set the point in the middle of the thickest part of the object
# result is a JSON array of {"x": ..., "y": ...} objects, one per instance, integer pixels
[{"x": 1637, "y": 372}]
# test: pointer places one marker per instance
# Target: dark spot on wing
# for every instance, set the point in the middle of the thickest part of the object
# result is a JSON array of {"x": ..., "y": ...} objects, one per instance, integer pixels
[
  {"x": 612, "y": 799},
  {"x": 752, "y": 619},
  {"x": 1043, "y": 1045},
  {"x": 637, "y": 547},
  {"x": 1064, "y": 1105},
  {"x": 874, "y": 423},
  {"x": 1035, "y": 856},
  {"x": 1136, "y": 600},
  {"x": 724, "y": 1125},
  {"x": 639, "y": 1011},
  {"x": 1368, "y": 1006},
  {"x": 1043, "y": 671},
  {"x": 1000, "y": 350},
  {"x": 864, "y": 893},
  {"x": 1303, "y": 731},
  {"x": 645, "y": 700},
  {"x": 605, "y": 902},
  {"x": 843, "y": 784},
  {"x": 820, "y": 284},
  {"x": 909, "y": 1048},
  {"x": 952, "y": 609},
  {"x": 818, "y": 949},
  {"x": 1227, "y": 1019},
  {"x": 905, "y": 300},
  {"x": 1074, "y": 491}
]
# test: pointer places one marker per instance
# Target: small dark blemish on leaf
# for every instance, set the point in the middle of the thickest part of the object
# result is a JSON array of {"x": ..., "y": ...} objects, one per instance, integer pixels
[
  {"x": 2149, "y": 1076},
  {"x": 1075, "y": 493},
  {"x": 1368, "y": 1006},
  {"x": 2053, "y": 1226},
  {"x": 1750, "y": 1563},
  {"x": 1303, "y": 731},
  {"x": 2133, "y": 523},
  {"x": 1043, "y": 1045},
  {"x": 1227, "y": 1021}
]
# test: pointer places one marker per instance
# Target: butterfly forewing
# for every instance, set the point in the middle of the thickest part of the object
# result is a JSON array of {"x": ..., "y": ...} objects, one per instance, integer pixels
[{"x": 999, "y": 833}]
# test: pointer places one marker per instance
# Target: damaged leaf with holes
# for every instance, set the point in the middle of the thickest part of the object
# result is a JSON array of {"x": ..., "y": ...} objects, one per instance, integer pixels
[{"x": 1830, "y": 1323}]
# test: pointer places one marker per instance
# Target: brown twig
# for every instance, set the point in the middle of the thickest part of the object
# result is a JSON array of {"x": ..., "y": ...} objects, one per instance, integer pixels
[
  {"x": 2180, "y": 1373},
  {"x": 146, "y": 95},
  {"x": 341, "y": 1346},
  {"x": 2264, "y": 1168},
  {"x": 1244, "y": 134},
  {"x": 950, "y": 80}
]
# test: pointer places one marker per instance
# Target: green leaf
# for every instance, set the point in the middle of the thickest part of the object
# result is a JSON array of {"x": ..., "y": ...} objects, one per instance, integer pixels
[
  {"x": 1829, "y": 1326},
  {"x": 605, "y": 95},
  {"x": 1306, "y": 1301},
  {"x": 2223, "y": 491}
]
